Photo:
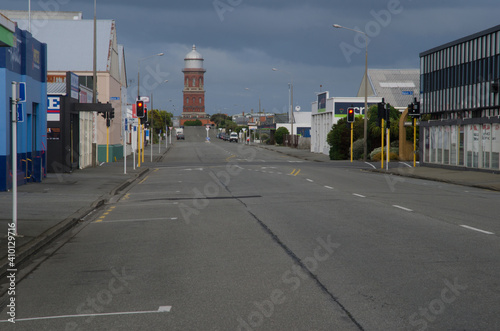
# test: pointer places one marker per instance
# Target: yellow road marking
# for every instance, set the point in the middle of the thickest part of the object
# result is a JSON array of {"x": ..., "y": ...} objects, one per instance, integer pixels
[
  {"x": 295, "y": 172},
  {"x": 227, "y": 160}
]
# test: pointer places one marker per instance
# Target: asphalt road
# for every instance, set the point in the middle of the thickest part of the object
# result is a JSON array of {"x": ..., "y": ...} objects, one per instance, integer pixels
[{"x": 224, "y": 236}]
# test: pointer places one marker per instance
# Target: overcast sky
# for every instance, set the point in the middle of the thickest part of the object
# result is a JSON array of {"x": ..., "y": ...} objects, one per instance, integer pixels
[{"x": 242, "y": 40}]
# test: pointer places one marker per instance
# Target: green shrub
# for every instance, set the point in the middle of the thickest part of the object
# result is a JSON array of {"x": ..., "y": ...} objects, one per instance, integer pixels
[{"x": 280, "y": 134}]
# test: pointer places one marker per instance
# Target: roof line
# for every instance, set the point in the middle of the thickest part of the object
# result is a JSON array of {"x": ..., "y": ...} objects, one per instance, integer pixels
[{"x": 461, "y": 40}]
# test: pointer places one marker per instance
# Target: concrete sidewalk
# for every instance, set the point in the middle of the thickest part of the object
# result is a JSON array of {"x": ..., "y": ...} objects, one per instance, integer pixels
[
  {"x": 49, "y": 208},
  {"x": 478, "y": 179}
]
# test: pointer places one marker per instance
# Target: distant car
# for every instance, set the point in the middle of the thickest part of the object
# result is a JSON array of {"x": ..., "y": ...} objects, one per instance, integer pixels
[
  {"x": 233, "y": 137},
  {"x": 180, "y": 136},
  {"x": 225, "y": 137}
]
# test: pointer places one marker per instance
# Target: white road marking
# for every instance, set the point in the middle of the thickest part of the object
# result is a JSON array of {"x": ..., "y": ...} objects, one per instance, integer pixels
[
  {"x": 197, "y": 169},
  {"x": 374, "y": 167},
  {"x": 310, "y": 180},
  {"x": 403, "y": 208},
  {"x": 359, "y": 195},
  {"x": 142, "y": 220},
  {"x": 476, "y": 229},
  {"x": 406, "y": 164},
  {"x": 295, "y": 161},
  {"x": 161, "y": 309},
  {"x": 329, "y": 187}
]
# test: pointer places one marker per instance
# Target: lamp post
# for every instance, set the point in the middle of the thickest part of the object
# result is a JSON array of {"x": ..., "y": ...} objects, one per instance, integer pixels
[
  {"x": 365, "y": 122},
  {"x": 139, "y": 96},
  {"x": 291, "y": 102},
  {"x": 152, "y": 129},
  {"x": 139, "y": 71}
]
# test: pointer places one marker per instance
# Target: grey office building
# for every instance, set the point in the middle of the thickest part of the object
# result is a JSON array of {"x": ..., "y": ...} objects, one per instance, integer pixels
[{"x": 460, "y": 102}]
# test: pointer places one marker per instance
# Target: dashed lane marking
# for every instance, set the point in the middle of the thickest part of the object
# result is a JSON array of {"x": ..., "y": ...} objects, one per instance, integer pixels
[
  {"x": 403, "y": 208},
  {"x": 476, "y": 229}
]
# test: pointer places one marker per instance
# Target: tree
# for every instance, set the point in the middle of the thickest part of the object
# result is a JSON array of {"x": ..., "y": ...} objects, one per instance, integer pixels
[
  {"x": 339, "y": 138},
  {"x": 159, "y": 119},
  {"x": 193, "y": 123},
  {"x": 279, "y": 135},
  {"x": 219, "y": 119}
]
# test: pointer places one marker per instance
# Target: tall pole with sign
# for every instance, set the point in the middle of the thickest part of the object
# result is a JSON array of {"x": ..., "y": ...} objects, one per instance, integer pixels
[{"x": 14, "y": 155}]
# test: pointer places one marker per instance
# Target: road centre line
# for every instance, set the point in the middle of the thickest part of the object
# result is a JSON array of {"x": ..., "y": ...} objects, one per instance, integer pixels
[
  {"x": 329, "y": 187},
  {"x": 476, "y": 229},
  {"x": 403, "y": 208},
  {"x": 161, "y": 309},
  {"x": 359, "y": 195},
  {"x": 309, "y": 180}
]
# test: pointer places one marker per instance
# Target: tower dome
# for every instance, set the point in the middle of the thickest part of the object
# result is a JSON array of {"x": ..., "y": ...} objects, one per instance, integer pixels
[{"x": 193, "y": 59}]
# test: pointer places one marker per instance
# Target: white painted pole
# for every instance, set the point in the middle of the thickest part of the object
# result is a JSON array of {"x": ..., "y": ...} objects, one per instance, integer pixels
[
  {"x": 14, "y": 156},
  {"x": 124, "y": 147}
]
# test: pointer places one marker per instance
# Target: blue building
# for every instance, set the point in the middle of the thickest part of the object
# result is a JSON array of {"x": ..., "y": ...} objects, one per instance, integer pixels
[{"x": 25, "y": 61}]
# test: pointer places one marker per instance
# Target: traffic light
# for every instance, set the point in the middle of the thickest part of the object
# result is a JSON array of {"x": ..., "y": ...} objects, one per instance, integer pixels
[
  {"x": 414, "y": 108},
  {"x": 112, "y": 114},
  {"x": 410, "y": 109},
  {"x": 139, "y": 106},
  {"x": 387, "y": 115},
  {"x": 380, "y": 113},
  {"x": 350, "y": 115}
]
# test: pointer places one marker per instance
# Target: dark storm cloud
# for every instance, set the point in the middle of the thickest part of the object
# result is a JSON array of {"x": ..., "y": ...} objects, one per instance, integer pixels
[{"x": 242, "y": 40}]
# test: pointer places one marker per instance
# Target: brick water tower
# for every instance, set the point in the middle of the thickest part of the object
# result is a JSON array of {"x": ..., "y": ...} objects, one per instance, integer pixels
[{"x": 194, "y": 92}]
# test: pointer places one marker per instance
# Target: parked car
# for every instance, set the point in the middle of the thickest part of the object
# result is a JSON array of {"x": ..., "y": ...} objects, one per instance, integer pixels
[
  {"x": 180, "y": 136},
  {"x": 233, "y": 137}
]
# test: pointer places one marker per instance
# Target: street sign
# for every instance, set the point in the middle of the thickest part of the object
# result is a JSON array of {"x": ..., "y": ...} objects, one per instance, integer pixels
[
  {"x": 407, "y": 92},
  {"x": 22, "y": 92},
  {"x": 114, "y": 98},
  {"x": 20, "y": 112}
]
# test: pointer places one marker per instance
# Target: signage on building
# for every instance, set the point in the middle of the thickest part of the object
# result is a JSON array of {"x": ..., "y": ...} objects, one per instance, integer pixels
[
  {"x": 322, "y": 97},
  {"x": 53, "y": 108},
  {"x": 75, "y": 90},
  {"x": 341, "y": 108}
]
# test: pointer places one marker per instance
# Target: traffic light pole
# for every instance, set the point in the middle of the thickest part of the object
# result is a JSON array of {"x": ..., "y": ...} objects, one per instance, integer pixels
[
  {"x": 139, "y": 144},
  {"x": 388, "y": 147},
  {"x": 352, "y": 125},
  {"x": 414, "y": 142},
  {"x": 382, "y": 144}
]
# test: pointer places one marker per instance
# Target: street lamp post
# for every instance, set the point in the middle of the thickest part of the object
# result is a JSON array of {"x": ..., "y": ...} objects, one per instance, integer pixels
[
  {"x": 152, "y": 129},
  {"x": 139, "y": 96},
  {"x": 365, "y": 122},
  {"x": 291, "y": 102}
]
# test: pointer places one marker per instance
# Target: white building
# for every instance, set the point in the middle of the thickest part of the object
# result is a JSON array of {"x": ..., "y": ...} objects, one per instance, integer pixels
[{"x": 328, "y": 113}]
